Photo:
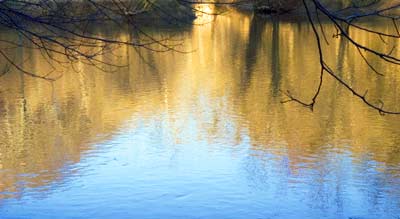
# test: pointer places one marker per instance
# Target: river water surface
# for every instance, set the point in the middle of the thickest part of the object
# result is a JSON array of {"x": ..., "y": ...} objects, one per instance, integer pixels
[{"x": 203, "y": 134}]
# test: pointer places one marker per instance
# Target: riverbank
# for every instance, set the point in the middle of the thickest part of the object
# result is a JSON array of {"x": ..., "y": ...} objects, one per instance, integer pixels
[
  {"x": 175, "y": 12},
  {"x": 296, "y": 7},
  {"x": 165, "y": 11}
]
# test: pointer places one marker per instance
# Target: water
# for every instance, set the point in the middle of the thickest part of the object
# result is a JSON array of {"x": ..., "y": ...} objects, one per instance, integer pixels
[{"x": 203, "y": 134}]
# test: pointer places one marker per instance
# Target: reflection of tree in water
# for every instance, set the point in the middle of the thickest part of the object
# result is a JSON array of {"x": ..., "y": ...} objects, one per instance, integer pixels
[
  {"x": 255, "y": 45},
  {"x": 335, "y": 90},
  {"x": 46, "y": 128},
  {"x": 275, "y": 58},
  {"x": 255, "y": 39},
  {"x": 303, "y": 134},
  {"x": 331, "y": 126}
]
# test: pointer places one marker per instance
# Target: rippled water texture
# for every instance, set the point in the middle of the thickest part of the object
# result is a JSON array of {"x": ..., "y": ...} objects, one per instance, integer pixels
[{"x": 203, "y": 134}]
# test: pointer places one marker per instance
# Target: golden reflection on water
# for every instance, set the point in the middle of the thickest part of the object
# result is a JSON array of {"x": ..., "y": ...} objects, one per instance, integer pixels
[{"x": 227, "y": 89}]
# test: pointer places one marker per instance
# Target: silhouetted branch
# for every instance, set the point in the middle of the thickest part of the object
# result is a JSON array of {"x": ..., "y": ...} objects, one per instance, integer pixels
[
  {"x": 343, "y": 32},
  {"x": 59, "y": 27}
]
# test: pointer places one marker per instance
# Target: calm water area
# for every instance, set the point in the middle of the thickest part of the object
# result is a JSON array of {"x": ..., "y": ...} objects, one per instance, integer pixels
[{"x": 203, "y": 134}]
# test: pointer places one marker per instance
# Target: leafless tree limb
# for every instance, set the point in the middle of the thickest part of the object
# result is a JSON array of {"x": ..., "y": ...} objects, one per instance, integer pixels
[{"x": 339, "y": 23}]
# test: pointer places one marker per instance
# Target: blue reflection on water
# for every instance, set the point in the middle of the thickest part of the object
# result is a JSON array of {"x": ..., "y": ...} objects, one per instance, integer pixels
[{"x": 143, "y": 175}]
